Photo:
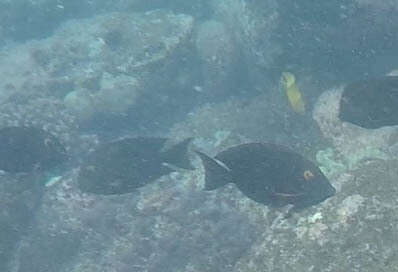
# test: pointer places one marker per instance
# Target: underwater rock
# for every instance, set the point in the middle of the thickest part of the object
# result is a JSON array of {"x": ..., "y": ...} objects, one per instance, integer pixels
[
  {"x": 235, "y": 44},
  {"x": 352, "y": 144},
  {"x": 80, "y": 103},
  {"x": 122, "y": 166},
  {"x": 115, "y": 95},
  {"x": 24, "y": 149},
  {"x": 252, "y": 23},
  {"x": 167, "y": 227},
  {"x": 20, "y": 198},
  {"x": 348, "y": 233},
  {"x": 269, "y": 174},
  {"x": 217, "y": 53},
  {"x": 105, "y": 60},
  {"x": 180, "y": 229}
]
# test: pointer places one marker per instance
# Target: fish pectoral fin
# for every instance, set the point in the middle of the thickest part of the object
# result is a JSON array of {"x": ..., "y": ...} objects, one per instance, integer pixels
[{"x": 223, "y": 165}]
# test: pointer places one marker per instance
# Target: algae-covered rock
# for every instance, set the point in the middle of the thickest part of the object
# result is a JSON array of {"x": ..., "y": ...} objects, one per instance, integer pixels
[
  {"x": 117, "y": 51},
  {"x": 218, "y": 53},
  {"x": 105, "y": 61},
  {"x": 332, "y": 163},
  {"x": 172, "y": 225},
  {"x": 351, "y": 143},
  {"x": 328, "y": 163},
  {"x": 116, "y": 95},
  {"x": 109, "y": 57},
  {"x": 80, "y": 103},
  {"x": 252, "y": 24},
  {"x": 354, "y": 231},
  {"x": 167, "y": 226}
]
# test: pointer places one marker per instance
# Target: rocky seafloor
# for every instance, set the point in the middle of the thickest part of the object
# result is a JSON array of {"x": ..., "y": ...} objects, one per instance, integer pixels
[{"x": 174, "y": 72}]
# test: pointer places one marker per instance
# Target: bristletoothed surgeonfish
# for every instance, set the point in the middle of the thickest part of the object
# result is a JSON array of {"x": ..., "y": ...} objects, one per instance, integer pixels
[
  {"x": 269, "y": 174},
  {"x": 371, "y": 103},
  {"x": 25, "y": 149},
  {"x": 124, "y": 165}
]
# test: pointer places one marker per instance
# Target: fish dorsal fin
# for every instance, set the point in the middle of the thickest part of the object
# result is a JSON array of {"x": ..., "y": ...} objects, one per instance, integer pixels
[
  {"x": 217, "y": 173},
  {"x": 178, "y": 155}
]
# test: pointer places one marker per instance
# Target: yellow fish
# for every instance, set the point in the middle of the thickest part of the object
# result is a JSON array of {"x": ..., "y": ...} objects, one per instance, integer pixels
[{"x": 288, "y": 82}]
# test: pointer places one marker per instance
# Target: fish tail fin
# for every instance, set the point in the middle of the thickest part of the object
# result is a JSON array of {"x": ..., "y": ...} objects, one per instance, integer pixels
[
  {"x": 217, "y": 173},
  {"x": 178, "y": 155}
]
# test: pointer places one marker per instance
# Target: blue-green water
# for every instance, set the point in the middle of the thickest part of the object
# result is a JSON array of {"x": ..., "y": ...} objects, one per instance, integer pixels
[{"x": 93, "y": 72}]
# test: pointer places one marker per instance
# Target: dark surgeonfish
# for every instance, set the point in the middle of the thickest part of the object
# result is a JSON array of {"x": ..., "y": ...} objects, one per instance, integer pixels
[
  {"x": 269, "y": 174},
  {"x": 24, "y": 149},
  {"x": 122, "y": 166},
  {"x": 371, "y": 103}
]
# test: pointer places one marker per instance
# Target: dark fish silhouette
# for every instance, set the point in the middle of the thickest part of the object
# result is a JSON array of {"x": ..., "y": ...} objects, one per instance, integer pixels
[
  {"x": 371, "y": 103},
  {"x": 122, "y": 166},
  {"x": 269, "y": 174},
  {"x": 24, "y": 149}
]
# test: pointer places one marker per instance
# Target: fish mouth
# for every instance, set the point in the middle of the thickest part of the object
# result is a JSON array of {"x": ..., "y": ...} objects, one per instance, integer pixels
[{"x": 328, "y": 192}]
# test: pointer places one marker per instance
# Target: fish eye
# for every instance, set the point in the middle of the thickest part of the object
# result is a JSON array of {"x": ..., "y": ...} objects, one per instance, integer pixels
[{"x": 308, "y": 175}]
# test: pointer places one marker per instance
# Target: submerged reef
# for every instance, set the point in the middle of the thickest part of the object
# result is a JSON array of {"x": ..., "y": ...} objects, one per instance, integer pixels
[
  {"x": 114, "y": 62},
  {"x": 167, "y": 226},
  {"x": 98, "y": 65},
  {"x": 172, "y": 225},
  {"x": 332, "y": 163},
  {"x": 328, "y": 162},
  {"x": 218, "y": 54},
  {"x": 115, "y": 95},
  {"x": 252, "y": 24},
  {"x": 352, "y": 144},
  {"x": 341, "y": 235},
  {"x": 123, "y": 49}
]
